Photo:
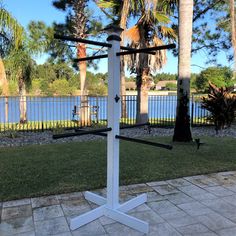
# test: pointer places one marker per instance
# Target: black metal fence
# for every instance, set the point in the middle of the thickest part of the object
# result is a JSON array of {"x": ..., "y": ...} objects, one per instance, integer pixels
[{"x": 40, "y": 113}]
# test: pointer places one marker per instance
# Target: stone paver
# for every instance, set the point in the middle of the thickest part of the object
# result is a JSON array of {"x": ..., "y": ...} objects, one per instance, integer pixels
[
  {"x": 219, "y": 191},
  {"x": 16, "y": 226},
  {"x": 72, "y": 208},
  {"x": 16, "y": 212},
  {"x": 94, "y": 228},
  {"x": 195, "y": 209},
  {"x": 193, "y": 229},
  {"x": 197, "y": 205},
  {"x": 16, "y": 203},
  {"x": 51, "y": 227},
  {"x": 227, "y": 232},
  {"x": 180, "y": 182},
  {"x": 44, "y": 201},
  {"x": 165, "y": 189},
  {"x": 46, "y": 213},
  {"x": 215, "y": 221}
]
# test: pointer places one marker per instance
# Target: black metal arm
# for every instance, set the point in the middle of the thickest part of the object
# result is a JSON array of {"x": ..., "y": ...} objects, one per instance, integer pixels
[
  {"x": 79, "y": 40},
  {"x": 85, "y": 132},
  {"x": 145, "y": 50},
  {"x": 144, "y": 142},
  {"x": 134, "y": 126}
]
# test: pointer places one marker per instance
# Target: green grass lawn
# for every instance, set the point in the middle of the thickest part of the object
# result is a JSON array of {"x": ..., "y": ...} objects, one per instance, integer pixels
[{"x": 49, "y": 169}]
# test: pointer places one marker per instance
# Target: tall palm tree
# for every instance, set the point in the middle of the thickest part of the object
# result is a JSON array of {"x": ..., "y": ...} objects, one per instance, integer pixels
[
  {"x": 122, "y": 10},
  {"x": 233, "y": 30},
  {"x": 11, "y": 35},
  {"x": 149, "y": 31},
  {"x": 79, "y": 24},
  {"x": 182, "y": 131}
]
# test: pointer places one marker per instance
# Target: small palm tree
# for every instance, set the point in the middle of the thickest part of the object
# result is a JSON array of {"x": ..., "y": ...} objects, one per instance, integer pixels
[{"x": 11, "y": 36}]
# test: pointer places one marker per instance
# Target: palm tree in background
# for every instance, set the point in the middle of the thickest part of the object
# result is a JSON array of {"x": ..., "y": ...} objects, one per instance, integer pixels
[
  {"x": 122, "y": 10},
  {"x": 182, "y": 131},
  {"x": 11, "y": 36},
  {"x": 19, "y": 66},
  {"x": 150, "y": 30},
  {"x": 233, "y": 30},
  {"x": 79, "y": 24}
]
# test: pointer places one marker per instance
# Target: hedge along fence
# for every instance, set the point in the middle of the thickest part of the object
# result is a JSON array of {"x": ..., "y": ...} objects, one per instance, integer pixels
[{"x": 65, "y": 112}]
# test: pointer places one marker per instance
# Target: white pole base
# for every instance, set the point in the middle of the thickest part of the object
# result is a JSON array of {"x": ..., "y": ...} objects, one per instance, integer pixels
[{"x": 117, "y": 214}]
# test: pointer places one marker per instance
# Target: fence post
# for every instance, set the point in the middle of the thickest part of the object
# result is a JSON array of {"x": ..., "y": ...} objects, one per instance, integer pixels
[
  {"x": 42, "y": 127},
  {"x": 6, "y": 109},
  {"x": 192, "y": 109},
  {"x": 97, "y": 109}
]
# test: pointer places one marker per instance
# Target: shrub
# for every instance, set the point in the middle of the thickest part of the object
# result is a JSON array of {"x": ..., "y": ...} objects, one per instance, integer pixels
[
  {"x": 219, "y": 76},
  {"x": 61, "y": 87},
  {"x": 35, "y": 87},
  {"x": 171, "y": 86},
  {"x": 222, "y": 106},
  {"x": 13, "y": 88}
]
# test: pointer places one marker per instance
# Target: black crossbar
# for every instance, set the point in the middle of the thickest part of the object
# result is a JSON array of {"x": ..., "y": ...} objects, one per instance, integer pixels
[
  {"x": 144, "y": 142},
  {"x": 131, "y": 49},
  {"x": 91, "y": 58},
  {"x": 99, "y": 134},
  {"x": 134, "y": 126},
  {"x": 79, "y": 40},
  {"x": 85, "y": 132},
  {"x": 145, "y": 50}
]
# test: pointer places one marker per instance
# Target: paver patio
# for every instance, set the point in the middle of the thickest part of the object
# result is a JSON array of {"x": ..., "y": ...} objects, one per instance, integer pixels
[{"x": 199, "y": 205}]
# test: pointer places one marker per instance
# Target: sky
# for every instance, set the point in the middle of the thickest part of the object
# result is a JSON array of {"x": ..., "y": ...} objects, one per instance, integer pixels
[{"x": 27, "y": 10}]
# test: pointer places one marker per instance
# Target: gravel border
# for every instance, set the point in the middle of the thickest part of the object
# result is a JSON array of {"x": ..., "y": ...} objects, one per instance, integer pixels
[{"x": 29, "y": 138}]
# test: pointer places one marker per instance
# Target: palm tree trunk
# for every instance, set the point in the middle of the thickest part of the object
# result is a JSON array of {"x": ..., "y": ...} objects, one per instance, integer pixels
[
  {"x": 233, "y": 30},
  {"x": 23, "y": 107},
  {"x": 3, "y": 79},
  {"x": 182, "y": 131},
  {"x": 123, "y": 22},
  {"x": 142, "y": 97},
  {"x": 4, "y": 87},
  {"x": 84, "y": 110}
]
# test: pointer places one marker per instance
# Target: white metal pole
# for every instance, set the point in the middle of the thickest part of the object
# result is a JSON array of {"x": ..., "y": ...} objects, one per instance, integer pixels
[{"x": 113, "y": 120}]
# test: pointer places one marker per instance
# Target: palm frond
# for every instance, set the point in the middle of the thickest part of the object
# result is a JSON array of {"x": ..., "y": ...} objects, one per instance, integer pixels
[
  {"x": 167, "y": 32},
  {"x": 106, "y": 4},
  {"x": 162, "y": 18},
  {"x": 133, "y": 34},
  {"x": 8, "y": 22}
]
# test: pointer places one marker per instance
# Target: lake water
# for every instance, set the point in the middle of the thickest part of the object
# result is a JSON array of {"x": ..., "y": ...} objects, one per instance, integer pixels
[{"x": 60, "y": 108}]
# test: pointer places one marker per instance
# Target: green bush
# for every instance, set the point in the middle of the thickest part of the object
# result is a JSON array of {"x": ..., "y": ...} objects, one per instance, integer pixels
[
  {"x": 61, "y": 87},
  {"x": 219, "y": 76},
  {"x": 222, "y": 106},
  {"x": 171, "y": 86},
  {"x": 35, "y": 87},
  {"x": 13, "y": 88}
]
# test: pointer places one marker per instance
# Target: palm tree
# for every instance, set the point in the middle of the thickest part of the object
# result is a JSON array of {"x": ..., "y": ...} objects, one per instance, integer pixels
[
  {"x": 233, "y": 30},
  {"x": 77, "y": 21},
  {"x": 122, "y": 10},
  {"x": 19, "y": 66},
  {"x": 182, "y": 130},
  {"x": 149, "y": 31},
  {"x": 11, "y": 35}
]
